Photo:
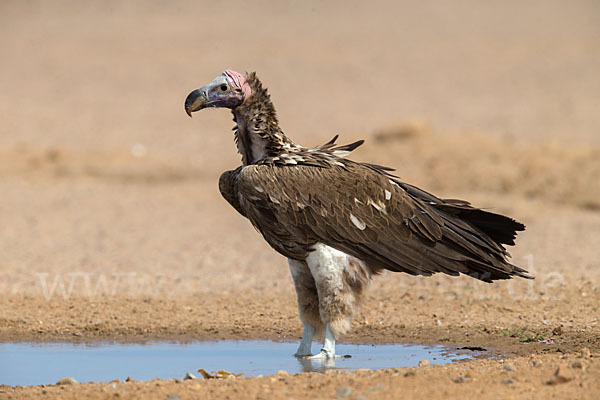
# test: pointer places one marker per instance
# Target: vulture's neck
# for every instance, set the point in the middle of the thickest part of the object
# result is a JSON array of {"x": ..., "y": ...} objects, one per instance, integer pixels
[{"x": 257, "y": 133}]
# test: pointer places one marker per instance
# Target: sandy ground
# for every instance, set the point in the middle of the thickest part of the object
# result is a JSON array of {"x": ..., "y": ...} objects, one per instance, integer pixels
[{"x": 112, "y": 226}]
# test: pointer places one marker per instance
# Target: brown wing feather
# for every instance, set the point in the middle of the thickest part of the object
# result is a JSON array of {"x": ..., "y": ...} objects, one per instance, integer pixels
[
  {"x": 228, "y": 189},
  {"x": 364, "y": 212}
]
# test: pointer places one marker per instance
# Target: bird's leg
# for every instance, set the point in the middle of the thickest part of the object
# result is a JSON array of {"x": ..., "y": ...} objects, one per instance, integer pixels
[
  {"x": 329, "y": 343},
  {"x": 308, "y": 304},
  {"x": 306, "y": 342},
  {"x": 328, "y": 350}
]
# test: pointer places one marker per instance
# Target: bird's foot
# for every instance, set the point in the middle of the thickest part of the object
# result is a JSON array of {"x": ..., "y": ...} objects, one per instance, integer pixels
[
  {"x": 323, "y": 355},
  {"x": 302, "y": 354}
]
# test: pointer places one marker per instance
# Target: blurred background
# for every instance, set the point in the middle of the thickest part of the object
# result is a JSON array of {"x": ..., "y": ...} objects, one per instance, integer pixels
[{"x": 101, "y": 170}]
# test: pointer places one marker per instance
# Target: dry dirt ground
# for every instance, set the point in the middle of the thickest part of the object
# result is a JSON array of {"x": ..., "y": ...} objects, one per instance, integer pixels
[{"x": 111, "y": 225}]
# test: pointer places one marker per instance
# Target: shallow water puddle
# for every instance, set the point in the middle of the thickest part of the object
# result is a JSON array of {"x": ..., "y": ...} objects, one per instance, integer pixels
[{"x": 46, "y": 363}]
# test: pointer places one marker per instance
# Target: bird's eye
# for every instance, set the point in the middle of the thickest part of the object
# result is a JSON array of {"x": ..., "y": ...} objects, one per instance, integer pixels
[{"x": 223, "y": 88}]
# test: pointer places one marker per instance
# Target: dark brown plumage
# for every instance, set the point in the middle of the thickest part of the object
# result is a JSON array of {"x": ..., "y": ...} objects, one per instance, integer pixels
[
  {"x": 412, "y": 231},
  {"x": 340, "y": 221}
]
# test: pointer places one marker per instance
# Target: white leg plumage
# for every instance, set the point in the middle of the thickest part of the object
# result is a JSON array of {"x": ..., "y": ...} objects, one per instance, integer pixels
[{"x": 324, "y": 284}]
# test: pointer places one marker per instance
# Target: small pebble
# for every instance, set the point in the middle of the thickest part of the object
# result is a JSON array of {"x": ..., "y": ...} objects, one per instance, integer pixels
[
  {"x": 424, "y": 363},
  {"x": 577, "y": 364},
  {"x": 561, "y": 375},
  {"x": 374, "y": 388},
  {"x": 462, "y": 379},
  {"x": 557, "y": 331},
  {"x": 410, "y": 373},
  {"x": 536, "y": 363},
  {"x": 67, "y": 381},
  {"x": 343, "y": 392},
  {"x": 189, "y": 376},
  {"x": 585, "y": 353},
  {"x": 509, "y": 367},
  {"x": 507, "y": 382},
  {"x": 173, "y": 397}
]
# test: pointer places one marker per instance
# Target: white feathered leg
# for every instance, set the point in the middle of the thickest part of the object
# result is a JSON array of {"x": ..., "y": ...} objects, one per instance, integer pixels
[
  {"x": 328, "y": 283},
  {"x": 308, "y": 305},
  {"x": 338, "y": 287}
]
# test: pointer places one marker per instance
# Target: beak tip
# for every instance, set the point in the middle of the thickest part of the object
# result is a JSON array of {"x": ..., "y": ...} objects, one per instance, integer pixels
[{"x": 195, "y": 101}]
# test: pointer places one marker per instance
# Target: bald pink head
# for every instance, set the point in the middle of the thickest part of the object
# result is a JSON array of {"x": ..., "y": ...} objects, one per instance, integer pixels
[
  {"x": 230, "y": 89},
  {"x": 238, "y": 80}
]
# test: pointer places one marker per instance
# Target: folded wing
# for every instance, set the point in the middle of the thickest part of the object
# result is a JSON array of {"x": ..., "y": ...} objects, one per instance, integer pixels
[{"x": 361, "y": 210}]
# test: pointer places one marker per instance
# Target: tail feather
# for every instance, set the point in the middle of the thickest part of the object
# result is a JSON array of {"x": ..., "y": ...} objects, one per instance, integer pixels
[
  {"x": 476, "y": 232},
  {"x": 498, "y": 227}
]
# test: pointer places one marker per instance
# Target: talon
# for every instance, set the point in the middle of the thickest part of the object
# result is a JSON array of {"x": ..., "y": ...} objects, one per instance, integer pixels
[{"x": 323, "y": 354}]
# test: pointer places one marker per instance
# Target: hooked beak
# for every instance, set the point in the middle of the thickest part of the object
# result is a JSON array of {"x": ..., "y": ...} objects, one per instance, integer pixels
[{"x": 197, "y": 100}]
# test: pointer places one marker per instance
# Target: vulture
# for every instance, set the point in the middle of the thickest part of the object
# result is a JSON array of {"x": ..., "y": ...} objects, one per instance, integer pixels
[{"x": 338, "y": 221}]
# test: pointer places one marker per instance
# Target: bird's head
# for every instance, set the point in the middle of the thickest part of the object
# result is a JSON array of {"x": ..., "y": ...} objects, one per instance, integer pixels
[{"x": 228, "y": 90}]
